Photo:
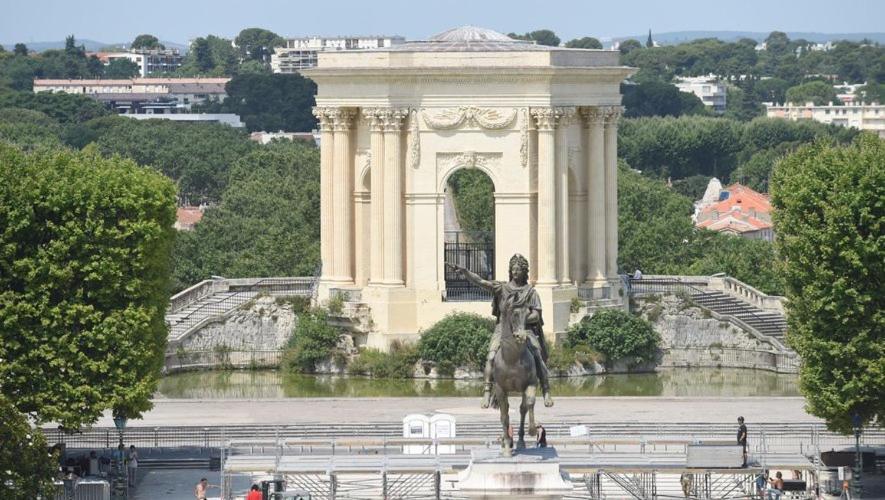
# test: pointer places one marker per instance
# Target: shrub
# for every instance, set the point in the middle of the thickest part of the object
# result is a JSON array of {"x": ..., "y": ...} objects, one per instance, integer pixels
[
  {"x": 336, "y": 303},
  {"x": 616, "y": 335},
  {"x": 299, "y": 303},
  {"x": 459, "y": 339},
  {"x": 399, "y": 362},
  {"x": 312, "y": 342},
  {"x": 563, "y": 357}
]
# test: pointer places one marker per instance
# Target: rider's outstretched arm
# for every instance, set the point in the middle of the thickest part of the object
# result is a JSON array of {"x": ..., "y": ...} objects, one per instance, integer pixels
[{"x": 472, "y": 277}]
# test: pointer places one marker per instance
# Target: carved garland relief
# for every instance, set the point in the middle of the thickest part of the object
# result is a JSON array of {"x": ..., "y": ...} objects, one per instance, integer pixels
[{"x": 452, "y": 118}]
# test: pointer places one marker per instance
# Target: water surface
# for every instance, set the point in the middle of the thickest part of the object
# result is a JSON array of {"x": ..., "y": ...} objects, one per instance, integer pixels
[{"x": 673, "y": 382}]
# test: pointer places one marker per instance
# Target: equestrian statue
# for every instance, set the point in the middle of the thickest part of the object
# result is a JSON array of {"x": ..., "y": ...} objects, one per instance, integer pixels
[{"x": 517, "y": 351}]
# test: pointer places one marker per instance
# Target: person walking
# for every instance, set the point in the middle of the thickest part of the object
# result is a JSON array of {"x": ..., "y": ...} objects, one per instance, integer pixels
[
  {"x": 742, "y": 438},
  {"x": 132, "y": 465}
]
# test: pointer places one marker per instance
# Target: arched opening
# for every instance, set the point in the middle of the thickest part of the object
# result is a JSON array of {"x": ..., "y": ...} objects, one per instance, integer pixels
[{"x": 469, "y": 231}]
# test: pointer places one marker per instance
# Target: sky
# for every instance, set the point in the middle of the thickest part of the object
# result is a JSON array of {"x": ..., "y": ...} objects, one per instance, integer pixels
[{"x": 114, "y": 21}]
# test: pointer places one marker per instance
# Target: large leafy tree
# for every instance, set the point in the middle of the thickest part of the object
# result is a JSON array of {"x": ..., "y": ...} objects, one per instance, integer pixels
[
  {"x": 65, "y": 108},
  {"x": 830, "y": 208},
  {"x": 210, "y": 56},
  {"x": 474, "y": 199},
  {"x": 267, "y": 223},
  {"x": 588, "y": 42},
  {"x": 197, "y": 156},
  {"x": 25, "y": 463},
  {"x": 85, "y": 247},
  {"x": 653, "y": 98},
  {"x": 818, "y": 92},
  {"x": 121, "y": 68},
  {"x": 147, "y": 41},
  {"x": 270, "y": 101},
  {"x": 257, "y": 44},
  {"x": 541, "y": 37}
]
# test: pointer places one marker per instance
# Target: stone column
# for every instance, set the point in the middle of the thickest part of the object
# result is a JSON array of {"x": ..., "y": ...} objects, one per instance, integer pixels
[
  {"x": 327, "y": 233},
  {"x": 611, "y": 190},
  {"x": 342, "y": 195},
  {"x": 376, "y": 173},
  {"x": 545, "y": 119},
  {"x": 565, "y": 119},
  {"x": 392, "y": 233},
  {"x": 594, "y": 126}
]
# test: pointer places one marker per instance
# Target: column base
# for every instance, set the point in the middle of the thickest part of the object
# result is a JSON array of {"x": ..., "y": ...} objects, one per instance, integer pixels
[{"x": 393, "y": 310}]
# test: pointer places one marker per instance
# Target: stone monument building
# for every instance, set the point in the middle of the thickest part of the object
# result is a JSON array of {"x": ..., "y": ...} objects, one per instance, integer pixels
[{"x": 397, "y": 122}]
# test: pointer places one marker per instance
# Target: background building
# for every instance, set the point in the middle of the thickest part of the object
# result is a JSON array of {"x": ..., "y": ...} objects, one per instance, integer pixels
[
  {"x": 869, "y": 117},
  {"x": 708, "y": 88},
  {"x": 301, "y": 53},
  {"x": 736, "y": 210},
  {"x": 143, "y": 95},
  {"x": 149, "y": 61}
]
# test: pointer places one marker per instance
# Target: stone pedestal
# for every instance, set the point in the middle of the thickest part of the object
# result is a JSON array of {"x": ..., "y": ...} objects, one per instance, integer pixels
[{"x": 531, "y": 472}]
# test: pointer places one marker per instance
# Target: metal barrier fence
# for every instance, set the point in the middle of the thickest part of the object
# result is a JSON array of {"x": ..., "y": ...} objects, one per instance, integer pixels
[{"x": 775, "y": 436}]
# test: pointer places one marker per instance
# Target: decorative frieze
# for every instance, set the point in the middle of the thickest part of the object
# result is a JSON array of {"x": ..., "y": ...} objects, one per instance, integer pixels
[
  {"x": 486, "y": 118},
  {"x": 468, "y": 159}
]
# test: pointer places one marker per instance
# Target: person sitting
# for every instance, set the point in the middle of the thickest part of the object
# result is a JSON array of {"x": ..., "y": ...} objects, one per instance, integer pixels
[
  {"x": 777, "y": 487},
  {"x": 542, "y": 436},
  {"x": 254, "y": 493}
]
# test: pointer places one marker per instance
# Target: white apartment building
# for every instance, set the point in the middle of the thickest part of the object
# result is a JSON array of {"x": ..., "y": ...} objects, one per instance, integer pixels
[
  {"x": 708, "y": 88},
  {"x": 301, "y": 53},
  {"x": 149, "y": 61},
  {"x": 869, "y": 117}
]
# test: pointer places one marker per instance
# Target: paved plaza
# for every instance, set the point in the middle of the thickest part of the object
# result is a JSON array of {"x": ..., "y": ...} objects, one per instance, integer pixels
[{"x": 193, "y": 412}]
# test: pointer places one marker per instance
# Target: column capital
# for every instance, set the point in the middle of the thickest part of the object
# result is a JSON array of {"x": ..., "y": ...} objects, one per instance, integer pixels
[
  {"x": 566, "y": 115},
  {"x": 393, "y": 118},
  {"x": 545, "y": 118},
  {"x": 342, "y": 118},
  {"x": 375, "y": 117},
  {"x": 592, "y": 115},
  {"x": 324, "y": 117},
  {"x": 612, "y": 114}
]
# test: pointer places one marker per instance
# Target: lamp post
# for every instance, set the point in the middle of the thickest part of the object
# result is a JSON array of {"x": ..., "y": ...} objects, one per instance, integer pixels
[
  {"x": 858, "y": 457},
  {"x": 120, "y": 424}
]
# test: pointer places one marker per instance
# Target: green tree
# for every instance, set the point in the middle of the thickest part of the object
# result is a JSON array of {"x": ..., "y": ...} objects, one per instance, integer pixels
[
  {"x": 28, "y": 129},
  {"x": 266, "y": 224},
  {"x": 210, "y": 56},
  {"x": 542, "y": 37},
  {"x": 84, "y": 284},
  {"x": 629, "y": 45},
  {"x": 474, "y": 199},
  {"x": 588, "y": 42},
  {"x": 257, "y": 44},
  {"x": 772, "y": 90},
  {"x": 25, "y": 465},
  {"x": 20, "y": 49},
  {"x": 747, "y": 260},
  {"x": 654, "y": 98},
  {"x": 459, "y": 339},
  {"x": 198, "y": 156},
  {"x": 121, "y": 68},
  {"x": 829, "y": 220},
  {"x": 270, "y": 101},
  {"x": 63, "y": 107},
  {"x": 692, "y": 187},
  {"x": 617, "y": 335},
  {"x": 871, "y": 93},
  {"x": 649, "y": 43},
  {"x": 818, "y": 92},
  {"x": 146, "y": 41},
  {"x": 313, "y": 341},
  {"x": 777, "y": 43}
]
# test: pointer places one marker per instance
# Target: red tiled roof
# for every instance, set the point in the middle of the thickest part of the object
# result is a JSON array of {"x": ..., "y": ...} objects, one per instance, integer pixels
[
  {"x": 744, "y": 210},
  {"x": 188, "y": 216}
]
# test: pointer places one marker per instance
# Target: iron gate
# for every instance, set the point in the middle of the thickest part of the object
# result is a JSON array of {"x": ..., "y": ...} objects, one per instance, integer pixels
[{"x": 477, "y": 257}]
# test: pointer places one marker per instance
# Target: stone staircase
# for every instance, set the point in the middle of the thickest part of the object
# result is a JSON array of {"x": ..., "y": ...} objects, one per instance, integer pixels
[
  {"x": 766, "y": 322},
  {"x": 727, "y": 297},
  {"x": 210, "y": 299}
]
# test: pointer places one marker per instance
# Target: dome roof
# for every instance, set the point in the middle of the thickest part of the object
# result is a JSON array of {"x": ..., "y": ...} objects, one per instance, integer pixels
[{"x": 470, "y": 34}]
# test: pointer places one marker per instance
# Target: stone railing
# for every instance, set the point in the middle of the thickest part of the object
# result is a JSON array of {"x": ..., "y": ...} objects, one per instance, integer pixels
[
  {"x": 221, "y": 358},
  {"x": 747, "y": 293},
  {"x": 187, "y": 297},
  {"x": 730, "y": 357}
]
